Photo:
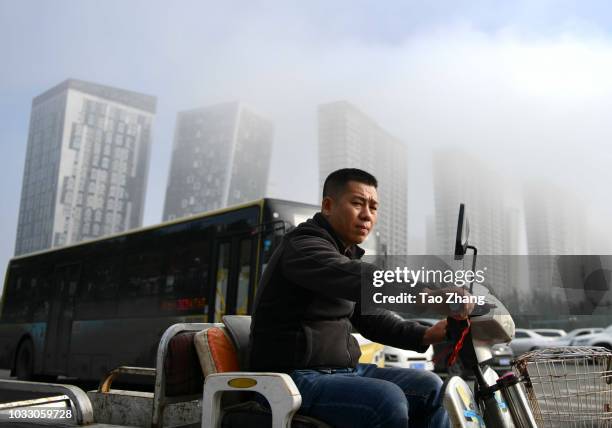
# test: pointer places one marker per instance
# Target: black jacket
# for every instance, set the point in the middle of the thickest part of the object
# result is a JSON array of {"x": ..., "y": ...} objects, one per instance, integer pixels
[{"x": 305, "y": 305}]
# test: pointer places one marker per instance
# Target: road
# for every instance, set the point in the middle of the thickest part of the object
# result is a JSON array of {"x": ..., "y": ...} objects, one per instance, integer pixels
[{"x": 577, "y": 394}]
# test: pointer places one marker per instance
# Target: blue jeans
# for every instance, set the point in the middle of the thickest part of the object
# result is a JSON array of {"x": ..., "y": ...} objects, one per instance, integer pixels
[{"x": 369, "y": 396}]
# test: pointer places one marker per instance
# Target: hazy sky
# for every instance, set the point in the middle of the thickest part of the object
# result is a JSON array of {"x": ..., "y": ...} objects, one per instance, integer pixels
[{"x": 524, "y": 85}]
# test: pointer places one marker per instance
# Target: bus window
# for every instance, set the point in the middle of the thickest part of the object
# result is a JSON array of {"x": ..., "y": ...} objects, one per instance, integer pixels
[
  {"x": 244, "y": 277},
  {"x": 27, "y": 293},
  {"x": 143, "y": 274},
  {"x": 14, "y": 309},
  {"x": 186, "y": 282},
  {"x": 142, "y": 282},
  {"x": 270, "y": 242},
  {"x": 223, "y": 259},
  {"x": 59, "y": 325},
  {"x": 10, "y": 302},
  {"x": 97, "y": 294},
  {"x": 41, "y": 295},
  {"x": 20, "y": 296}
]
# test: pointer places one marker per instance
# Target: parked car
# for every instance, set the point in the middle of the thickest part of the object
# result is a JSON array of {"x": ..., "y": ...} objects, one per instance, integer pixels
[
  {"x": 371, "y": 352},
  {"x": 603, "y": 338},
  {"x": 550, "y": 332},
  {"x": 395, "y": 357},
  {"x": 569, "y": 337},
  {"x": 502, "y": 357},
  {"x": 526, "y": 340}
]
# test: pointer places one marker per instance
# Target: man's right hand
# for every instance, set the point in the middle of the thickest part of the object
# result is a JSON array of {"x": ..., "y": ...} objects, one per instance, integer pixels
[{"x": 460, "y": 311}]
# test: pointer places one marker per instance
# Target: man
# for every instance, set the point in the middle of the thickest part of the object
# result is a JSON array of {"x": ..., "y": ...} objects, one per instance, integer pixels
[{"x": 305, "y": 309}]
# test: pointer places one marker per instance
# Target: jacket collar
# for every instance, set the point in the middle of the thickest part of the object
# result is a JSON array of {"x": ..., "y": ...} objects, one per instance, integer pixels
[{"x": 352, "y": 251}]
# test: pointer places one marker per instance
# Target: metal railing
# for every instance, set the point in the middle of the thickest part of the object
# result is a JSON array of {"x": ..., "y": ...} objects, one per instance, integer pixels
[{"x": 70, "y": 396}]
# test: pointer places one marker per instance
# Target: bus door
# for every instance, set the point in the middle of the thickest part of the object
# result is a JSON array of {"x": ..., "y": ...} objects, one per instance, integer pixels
[
  {"x": 239, "y": 296},
  {"x": 59, "y": 324},
  {"x": 234, "y": 274},
  {"x": 223, "y": 252}
]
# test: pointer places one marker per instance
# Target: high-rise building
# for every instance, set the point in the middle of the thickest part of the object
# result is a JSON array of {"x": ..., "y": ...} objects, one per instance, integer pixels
[
  {"x": 221, "y": 157},
  {"x": 86, "y": 164},
  {"x": 555, "y": 226},
  {"x": 493, "y": 221},
  {"x": 350, "y": 139},
  {"x": 430, "y": 235},
  {"x": 554, "y": 219}
]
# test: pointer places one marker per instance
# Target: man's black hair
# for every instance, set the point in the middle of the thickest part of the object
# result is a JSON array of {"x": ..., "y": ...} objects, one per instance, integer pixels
[{"x": 337, "y": 180}]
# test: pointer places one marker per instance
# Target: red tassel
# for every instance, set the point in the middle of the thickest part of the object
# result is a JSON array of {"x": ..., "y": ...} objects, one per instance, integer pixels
[{"x": 453, "y": 356}]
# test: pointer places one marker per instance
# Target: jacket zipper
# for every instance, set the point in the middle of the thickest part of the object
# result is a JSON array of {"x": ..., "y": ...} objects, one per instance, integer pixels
[{"x": 348, "y": 346}]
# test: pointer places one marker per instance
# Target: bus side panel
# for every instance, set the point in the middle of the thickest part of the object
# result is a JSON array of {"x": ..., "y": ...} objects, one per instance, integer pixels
[
  {"x": 102, "y": 345},
  {"x": 25, "y": 310},
  {"x": 10, "y": 337}
]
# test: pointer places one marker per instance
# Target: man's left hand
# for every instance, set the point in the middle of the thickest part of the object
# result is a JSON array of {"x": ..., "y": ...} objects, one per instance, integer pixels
[{"x": 435, "y": 334}]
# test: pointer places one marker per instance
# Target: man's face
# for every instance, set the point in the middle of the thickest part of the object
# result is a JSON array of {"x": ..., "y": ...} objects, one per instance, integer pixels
[{"x": 352, "y": 214}]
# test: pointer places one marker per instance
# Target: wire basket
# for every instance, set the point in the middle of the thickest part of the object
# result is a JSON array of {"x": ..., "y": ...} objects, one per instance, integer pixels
[{"x": 568, "y": 386}]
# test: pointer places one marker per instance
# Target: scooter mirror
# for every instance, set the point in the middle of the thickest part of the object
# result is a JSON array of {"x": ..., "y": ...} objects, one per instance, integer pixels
[{"x": 463, "y": 231}]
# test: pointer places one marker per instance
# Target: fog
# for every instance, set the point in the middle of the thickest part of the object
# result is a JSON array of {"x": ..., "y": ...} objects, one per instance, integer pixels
[{"x": 526, "y": 90}]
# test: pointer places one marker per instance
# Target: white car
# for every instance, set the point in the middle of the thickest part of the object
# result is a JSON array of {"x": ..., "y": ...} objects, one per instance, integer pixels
[
  {"x": 574, "y": 334},
  {"x": 603, "y": 338},
  {"x": 395, "y": 357},
  {"x": 550, "y": 332},
  {"x": 526, "y": 340}
]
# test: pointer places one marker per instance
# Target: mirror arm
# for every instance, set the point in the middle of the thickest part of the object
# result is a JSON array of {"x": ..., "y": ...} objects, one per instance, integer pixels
[{"x": 474, "y": 254}]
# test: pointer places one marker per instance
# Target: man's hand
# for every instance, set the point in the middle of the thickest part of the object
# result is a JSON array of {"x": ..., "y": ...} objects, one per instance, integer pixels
[
  {"x": 457, "y": 311},
  {"x": 435, "y": 334},
  {"x": 463, "y": 310}
]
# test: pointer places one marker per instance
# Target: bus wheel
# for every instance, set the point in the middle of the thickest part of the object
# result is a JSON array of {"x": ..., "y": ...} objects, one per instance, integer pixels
[{"x": 24, "y": 363}]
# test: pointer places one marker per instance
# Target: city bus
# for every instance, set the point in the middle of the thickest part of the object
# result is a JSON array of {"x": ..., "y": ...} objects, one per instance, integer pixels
[{"x": 81, "y": 310}]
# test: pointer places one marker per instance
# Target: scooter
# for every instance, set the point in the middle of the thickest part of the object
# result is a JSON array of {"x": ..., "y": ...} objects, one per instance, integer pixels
[{"x": 496, "y": 402}]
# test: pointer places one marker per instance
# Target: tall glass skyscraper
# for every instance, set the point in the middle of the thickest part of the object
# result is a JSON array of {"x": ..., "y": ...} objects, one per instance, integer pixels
[
  {"x": 350, "y": 139},
  {"x": 555, "y": 222},
  {"x": 221, "y": 157},
  {"x": 493, "y": 217},
  {"x": 86, "y": 164}
]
